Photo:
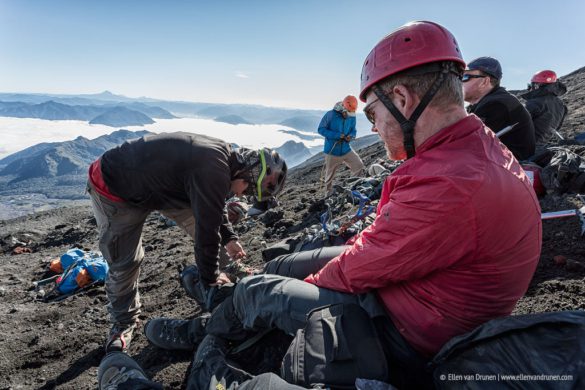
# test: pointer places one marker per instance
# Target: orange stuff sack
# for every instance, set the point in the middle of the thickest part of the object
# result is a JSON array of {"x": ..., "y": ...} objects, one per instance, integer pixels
[
  {"x": 56, "y": 266},
  {"x": 83, "y": 278}
]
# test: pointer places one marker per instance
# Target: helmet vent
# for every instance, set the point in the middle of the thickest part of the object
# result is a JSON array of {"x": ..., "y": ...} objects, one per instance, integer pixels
[{"x": 407, "y": 39}]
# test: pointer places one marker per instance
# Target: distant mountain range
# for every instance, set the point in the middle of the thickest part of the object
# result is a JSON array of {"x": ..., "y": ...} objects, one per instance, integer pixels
[
  {"x": 59, "y": 169},
  {"x": 121, "y": 114},
  {"x": 88, "y": 106},
  {"x": 53, "y": 159},
  {"x": 294, "y": 153},
  {"x": 232, "y": 119},
  {"x": 52, "y": 174}
]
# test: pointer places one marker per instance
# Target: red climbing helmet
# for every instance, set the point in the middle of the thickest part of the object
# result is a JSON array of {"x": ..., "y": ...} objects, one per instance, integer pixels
[
  {"x": 415, "y": 43},
  {"x": 544, "y": 77}
]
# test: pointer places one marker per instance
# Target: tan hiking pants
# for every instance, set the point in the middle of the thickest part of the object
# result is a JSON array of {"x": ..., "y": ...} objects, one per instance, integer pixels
[
  {"x": 351, "y": 159},
  {"x": 120, "y": 241}
]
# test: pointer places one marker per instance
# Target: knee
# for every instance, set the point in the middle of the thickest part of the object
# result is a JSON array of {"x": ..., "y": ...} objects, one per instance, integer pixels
[
  {"x": 244, "y": 288},
  {"x": 254, "y": 291},
  {"x": 271, "y": 266},
  {"x": 121, "y": 272},
  {"x": 275, "y": 266}
]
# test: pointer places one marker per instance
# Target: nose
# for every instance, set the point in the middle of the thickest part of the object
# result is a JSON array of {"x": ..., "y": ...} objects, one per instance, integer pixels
[
  {"x": 244, "y": 188},
  {"x": 374, "y": 129}
]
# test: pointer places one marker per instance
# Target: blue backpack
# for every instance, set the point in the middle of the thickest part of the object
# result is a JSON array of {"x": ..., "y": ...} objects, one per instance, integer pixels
[{"x": 76, "y": 261}]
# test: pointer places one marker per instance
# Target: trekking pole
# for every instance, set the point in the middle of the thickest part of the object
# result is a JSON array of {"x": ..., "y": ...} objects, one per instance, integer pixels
[
  {"x": 60, "y": 297},
  {"x": 42, "y": 282},
  {"x": 568, "y": 213},
  {"x": 505, "y": 130}
]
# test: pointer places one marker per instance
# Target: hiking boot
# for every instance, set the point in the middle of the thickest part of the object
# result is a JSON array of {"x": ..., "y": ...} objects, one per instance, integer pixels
[
  {"x": 120, "y": 337},
  {"x": 119, "y": 371},
  {"x": 190, "y": 282},
  {"x": 208, "y": 297},
  {"x": 167, "y": 333},
  {"x": 210, "y": 369}
]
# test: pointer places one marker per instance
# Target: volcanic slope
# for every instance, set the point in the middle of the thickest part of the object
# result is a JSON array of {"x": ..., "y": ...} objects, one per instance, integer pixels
[{"x": 59, "y": 346}]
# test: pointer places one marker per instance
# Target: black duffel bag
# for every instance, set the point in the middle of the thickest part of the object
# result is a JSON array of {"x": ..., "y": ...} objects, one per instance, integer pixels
[
  {"x": 338, "y": 345},
  {"x": 544, "y": 350}
]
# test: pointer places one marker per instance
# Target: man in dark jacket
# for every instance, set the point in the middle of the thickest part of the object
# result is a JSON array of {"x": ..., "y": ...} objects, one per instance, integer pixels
[
  {"x": 544, "y": 105},
  {"x": 496, "y": 107},
  {"x": 187, "y": 177}
]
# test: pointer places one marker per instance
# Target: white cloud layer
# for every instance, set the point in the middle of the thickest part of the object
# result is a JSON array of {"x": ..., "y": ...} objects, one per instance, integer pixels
[{"x": 20, "y": 133}]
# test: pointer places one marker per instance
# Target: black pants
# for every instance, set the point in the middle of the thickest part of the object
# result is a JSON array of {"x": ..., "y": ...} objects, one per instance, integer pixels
[{"x": 275, "y": 301}]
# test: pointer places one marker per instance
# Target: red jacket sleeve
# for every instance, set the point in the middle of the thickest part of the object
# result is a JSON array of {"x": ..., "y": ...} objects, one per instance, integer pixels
[{"x": 423, "y": 225}]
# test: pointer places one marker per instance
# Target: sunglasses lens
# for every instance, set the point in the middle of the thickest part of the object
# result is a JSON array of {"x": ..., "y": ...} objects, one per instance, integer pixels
[
  {"x": 370, "y": 116},
  {"x": 465, "y": 78}
]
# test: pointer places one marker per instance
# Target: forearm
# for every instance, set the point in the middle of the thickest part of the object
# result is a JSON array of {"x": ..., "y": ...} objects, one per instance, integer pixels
[
  {"x": 226, "y": 231},
  {"x": 206, "y": 258}
]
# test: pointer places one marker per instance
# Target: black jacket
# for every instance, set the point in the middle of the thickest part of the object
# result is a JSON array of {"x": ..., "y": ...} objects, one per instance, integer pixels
[
  {"x": 546, "y": 109},
  {"x": 179, "y": 171},
  {"x": 499, "y": 109}
]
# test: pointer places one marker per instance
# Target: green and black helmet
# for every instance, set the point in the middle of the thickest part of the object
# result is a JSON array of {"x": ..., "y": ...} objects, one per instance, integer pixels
[{"x": 265, "y": 170}]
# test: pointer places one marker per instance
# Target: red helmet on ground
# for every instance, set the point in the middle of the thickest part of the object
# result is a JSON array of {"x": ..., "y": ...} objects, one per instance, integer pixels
[
  {"x": 350, "y": 103},
  {"x": 415, "y": 43},
  {"x": 544, "y": 77}
]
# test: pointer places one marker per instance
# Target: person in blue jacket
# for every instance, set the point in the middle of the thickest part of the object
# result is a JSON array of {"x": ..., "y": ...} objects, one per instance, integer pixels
[{"x": 338, "y": 128}]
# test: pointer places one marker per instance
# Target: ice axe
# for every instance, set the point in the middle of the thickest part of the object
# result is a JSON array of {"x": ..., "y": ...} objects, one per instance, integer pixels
[
  {"x": 506, "y": 130},
  {"x": 558, "y": 135},
  {"x": 568, "y": 213}
]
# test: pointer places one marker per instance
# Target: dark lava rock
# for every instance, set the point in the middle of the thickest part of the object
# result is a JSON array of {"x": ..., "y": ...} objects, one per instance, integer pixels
[{"x": 270, "y": 217}]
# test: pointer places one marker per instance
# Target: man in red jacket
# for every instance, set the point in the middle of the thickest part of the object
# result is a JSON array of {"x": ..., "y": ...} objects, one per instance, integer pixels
[{"x": 457, "y": 235}]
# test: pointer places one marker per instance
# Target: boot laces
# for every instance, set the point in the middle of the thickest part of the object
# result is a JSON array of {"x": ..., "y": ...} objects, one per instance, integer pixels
[
  {"x": 121, "y": 376},
  {"x": 169, "y": 331}
]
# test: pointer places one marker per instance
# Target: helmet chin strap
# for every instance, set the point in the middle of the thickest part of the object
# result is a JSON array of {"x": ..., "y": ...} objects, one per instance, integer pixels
[
  {"x": 407, "y": 125},
  {"x": 261, "y": 175}
]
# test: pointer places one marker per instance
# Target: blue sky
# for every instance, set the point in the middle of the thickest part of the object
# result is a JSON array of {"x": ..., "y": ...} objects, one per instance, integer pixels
[{"x": 305, "y": 54}]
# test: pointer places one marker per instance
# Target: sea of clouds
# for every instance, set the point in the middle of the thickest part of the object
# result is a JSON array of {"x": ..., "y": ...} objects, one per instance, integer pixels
[{"x": 19, "y": 133}]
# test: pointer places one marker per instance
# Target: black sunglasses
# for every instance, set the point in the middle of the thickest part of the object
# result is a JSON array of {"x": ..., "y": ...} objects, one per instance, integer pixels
[{"x": 467, "y": 77}]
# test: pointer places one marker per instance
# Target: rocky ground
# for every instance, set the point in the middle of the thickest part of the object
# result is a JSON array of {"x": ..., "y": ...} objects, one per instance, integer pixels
[{"x": 59, "y": 345}]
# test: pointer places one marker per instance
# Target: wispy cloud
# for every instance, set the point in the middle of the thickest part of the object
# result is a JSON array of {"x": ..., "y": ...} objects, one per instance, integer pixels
[{"x": 242, "y": 75}]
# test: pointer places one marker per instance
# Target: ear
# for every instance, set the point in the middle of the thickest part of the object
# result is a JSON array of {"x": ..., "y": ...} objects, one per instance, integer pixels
[
  {"x": 405, "y": 100},
  {"x": 486, "y": 83}
]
